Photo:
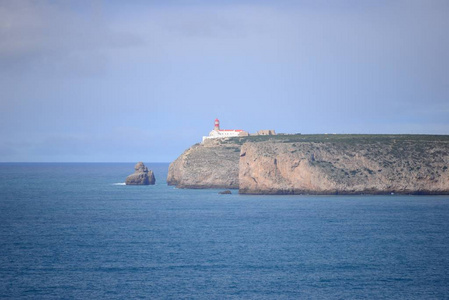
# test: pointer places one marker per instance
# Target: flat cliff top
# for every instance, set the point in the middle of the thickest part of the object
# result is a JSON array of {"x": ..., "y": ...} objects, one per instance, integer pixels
[{"x": 337, "y": 138}]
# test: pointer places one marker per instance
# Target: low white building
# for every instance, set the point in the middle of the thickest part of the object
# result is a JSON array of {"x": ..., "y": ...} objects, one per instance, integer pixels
[{"x": 223, "y": 133}]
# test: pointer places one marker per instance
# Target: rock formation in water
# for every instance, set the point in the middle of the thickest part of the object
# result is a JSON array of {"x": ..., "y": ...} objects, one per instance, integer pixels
[
  {"x": 227, "y": 192},
  {"x": 141, "y": 176},
  {"x": 213, "y": 164},
  {"x": 317, "y": 164}
]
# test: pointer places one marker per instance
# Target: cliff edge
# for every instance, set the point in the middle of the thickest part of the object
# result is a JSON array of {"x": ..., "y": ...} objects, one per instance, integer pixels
[
  {"x": 213, "y": 164},
  {"x": 346, "y": 165}
]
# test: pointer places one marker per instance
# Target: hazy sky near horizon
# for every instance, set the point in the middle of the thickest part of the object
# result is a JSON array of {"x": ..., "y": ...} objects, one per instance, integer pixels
[{"x": 144, "y": 80}]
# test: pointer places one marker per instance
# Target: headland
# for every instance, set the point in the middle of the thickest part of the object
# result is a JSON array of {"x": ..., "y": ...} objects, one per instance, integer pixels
[{"x": 317, "y": 164}]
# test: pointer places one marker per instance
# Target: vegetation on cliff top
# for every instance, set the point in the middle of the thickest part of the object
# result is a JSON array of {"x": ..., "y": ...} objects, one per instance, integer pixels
[{"x": 345, "y": 138}]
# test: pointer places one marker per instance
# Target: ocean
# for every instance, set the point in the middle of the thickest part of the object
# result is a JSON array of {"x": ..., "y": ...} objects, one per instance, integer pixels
[{"x": 74, "y": 231}]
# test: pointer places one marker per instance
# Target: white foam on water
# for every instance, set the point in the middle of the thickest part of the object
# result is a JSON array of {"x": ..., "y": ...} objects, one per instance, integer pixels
[{"x": 119, "y": 183}]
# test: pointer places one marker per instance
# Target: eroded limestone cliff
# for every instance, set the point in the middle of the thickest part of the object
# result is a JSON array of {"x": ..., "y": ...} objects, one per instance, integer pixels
[
  {"x": 346, "y": 165},
  {"x": 214, "y": 164}
]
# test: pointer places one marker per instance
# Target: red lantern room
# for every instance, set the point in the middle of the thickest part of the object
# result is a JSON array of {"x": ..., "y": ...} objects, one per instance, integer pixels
[{"x": 217, "y": 124}]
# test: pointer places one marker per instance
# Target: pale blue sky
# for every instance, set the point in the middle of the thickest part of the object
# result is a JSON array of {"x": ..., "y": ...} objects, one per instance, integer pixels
[{"x": 143, "y": 81}]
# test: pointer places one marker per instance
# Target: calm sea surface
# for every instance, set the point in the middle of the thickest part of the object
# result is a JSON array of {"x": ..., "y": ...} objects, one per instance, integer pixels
[{"x": 73, "y": 231}]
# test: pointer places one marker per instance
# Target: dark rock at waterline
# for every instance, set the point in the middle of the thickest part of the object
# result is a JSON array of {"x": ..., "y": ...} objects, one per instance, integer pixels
[
  {"x": 227, "y": 192},
  {"x": 141, "y": 176}
]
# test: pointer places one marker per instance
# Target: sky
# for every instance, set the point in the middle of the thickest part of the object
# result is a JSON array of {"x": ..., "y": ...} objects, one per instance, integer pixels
[{"x": 127, "y": 81}]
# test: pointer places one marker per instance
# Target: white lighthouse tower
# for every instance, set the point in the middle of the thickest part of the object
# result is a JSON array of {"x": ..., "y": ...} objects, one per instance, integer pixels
[{"x": 217, "y": 125}]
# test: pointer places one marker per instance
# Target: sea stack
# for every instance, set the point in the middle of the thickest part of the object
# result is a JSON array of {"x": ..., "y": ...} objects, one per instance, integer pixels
[{"x": 141, "y": 176}]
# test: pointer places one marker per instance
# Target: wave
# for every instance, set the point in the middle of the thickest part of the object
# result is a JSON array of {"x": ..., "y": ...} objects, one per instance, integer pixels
[{"x": 119, "y": 183}]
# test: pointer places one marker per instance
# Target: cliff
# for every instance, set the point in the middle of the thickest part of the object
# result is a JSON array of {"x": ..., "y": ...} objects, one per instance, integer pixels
[
  {"x": 214, "y": 164},
  {"x": 346, "y": 164},
  {"x": 317, "y": 164}
]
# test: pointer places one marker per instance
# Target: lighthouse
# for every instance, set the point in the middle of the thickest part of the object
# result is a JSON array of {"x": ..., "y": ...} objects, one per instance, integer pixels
[
  {"x": 217, "y": 125},
  {"x": 224, "y": 133}
]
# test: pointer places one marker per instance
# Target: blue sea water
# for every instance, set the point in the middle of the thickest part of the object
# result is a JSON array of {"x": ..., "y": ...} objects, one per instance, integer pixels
[{"x": 74, "y": 231}]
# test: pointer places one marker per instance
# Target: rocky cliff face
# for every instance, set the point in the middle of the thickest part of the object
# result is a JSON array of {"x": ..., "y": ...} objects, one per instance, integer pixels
[
  {"x": 213, "y": 164},
  {"x": 346, "y": 165}
]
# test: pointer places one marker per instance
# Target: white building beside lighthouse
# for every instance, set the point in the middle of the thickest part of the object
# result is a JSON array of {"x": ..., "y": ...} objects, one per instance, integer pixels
[{"x": 224, "y": 133}]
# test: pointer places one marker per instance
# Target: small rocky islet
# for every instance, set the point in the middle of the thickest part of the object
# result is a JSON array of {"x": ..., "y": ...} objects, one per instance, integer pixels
[
  {"x": 141, "y": 176},
  {"x": 227, "y": 192}
]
